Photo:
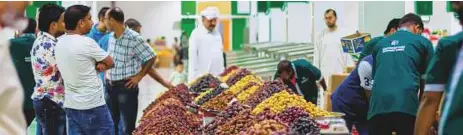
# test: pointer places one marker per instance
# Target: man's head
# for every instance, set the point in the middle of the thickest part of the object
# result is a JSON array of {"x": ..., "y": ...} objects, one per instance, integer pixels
[
  {"x": 392, "y": 27},
  {"x": 179, "y": 66},
  {"x": 330, "y": 18},
  {"x": 51, "y": 19},
  {"x": 12, "y": 14},
  {"x": 458, "y": 9},
  {"x": 285, "y": 71},
  {"x": 31, "y": 26},
  {"x": 209, "y": 17},
  {"x": 412, "y": 22},
  {"x": 102, "y": 13},
  {"x": 78, "y": 19},
  {"x": 133, "y": 24},
  {"x": 175, "y": 39},
  {"x": 114, "y": 18}
]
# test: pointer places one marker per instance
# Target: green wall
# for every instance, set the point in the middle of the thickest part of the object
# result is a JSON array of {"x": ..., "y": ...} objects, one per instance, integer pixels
[
  {"x": 188, "y": 25},
  {"x": 238, "y": 27},
  {"x": 188, "y": 7}
]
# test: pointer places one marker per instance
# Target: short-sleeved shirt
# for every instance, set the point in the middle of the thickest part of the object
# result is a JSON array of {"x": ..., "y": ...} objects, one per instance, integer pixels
[
  {"x": 307, "y": 76},
  {"x": 444, "y": 73},
  {"x": 178, "y": 78},
  {"x": 368, "y": 47},
  {"x": 76, "y": 56},
  {"x": 350, "y": 96},
  {"x": 95, "y": 34},
  {"x": 400, "y": 61},
  {"x": 20, "y": 53},
  {"x": 48, "y": 81},
  {"x": 129, "y": 52}
]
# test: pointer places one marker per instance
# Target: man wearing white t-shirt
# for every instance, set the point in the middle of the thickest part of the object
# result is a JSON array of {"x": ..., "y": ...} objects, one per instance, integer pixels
[
  {"x": 328, "y": 55},
  {"x": 79, "y": 58}
]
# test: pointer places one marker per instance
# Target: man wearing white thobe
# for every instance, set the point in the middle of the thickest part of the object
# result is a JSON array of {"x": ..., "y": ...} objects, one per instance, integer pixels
[
  {"x": 12, "y": 121},
  {"x": 329, "y": 56},
  {"x": 205, "y": 46}
]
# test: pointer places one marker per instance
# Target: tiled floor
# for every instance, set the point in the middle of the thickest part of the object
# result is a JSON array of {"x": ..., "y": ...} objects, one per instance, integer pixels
[{"x": 149, "y": 90}]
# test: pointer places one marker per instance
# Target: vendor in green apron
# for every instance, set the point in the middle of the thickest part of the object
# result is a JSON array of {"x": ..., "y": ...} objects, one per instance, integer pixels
[
  {"x": 302, "y": 77},
  {"x": 399, "y": 62},
  {"x": 443, "y": 74},
  {"x": 392, "y": 27},
  {"x": 20, "y": 53}
]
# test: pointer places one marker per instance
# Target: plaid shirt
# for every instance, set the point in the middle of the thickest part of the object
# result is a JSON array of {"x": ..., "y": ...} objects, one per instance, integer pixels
[{"x": 129, "y": 52}]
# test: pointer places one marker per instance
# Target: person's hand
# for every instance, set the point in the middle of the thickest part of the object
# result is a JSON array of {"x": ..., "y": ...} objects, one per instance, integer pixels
[
  {"x": 100, "y": 67},
  {"x": 133, "y": 81},
  {"x": 170, "y": 86}
]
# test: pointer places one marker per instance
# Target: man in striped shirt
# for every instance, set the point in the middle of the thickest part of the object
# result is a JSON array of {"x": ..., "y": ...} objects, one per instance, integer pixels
[{"x": 131, "y": 53}]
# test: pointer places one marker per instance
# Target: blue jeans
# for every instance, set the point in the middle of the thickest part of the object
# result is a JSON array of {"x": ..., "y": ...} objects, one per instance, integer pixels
[
  {"x": 123, "y": 103},
  {"x": 95, "y": 121},
  {"x": 50, "y": 116}
]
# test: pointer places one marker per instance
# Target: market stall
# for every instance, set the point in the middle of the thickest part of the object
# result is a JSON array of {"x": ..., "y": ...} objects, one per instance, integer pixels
[{"x": 236, "y": 102}]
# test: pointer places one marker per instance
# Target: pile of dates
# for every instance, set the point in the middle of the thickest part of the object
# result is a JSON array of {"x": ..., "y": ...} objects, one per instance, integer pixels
[
  {"x": 241, "y": 73},
  {"x": 169, "y": 119},
  {"x": 204, "y": 82},
  {"x": 224, "y": 116}
]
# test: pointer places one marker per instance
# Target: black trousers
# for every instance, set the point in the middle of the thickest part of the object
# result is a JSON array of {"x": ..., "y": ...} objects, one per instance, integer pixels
[
  {"x": 385, "y": 124},
  {"x": 123, "y": 104}
]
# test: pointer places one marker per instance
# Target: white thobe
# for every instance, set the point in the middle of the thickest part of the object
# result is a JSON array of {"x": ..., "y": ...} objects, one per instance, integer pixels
[
  {"x": 205, "y": 53},
  {"x": 329, "y": 57},
  {"x": 12, "y": 121}
]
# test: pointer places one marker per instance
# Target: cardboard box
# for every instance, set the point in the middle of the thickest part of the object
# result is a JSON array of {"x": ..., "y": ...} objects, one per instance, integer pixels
[
  {"x": 327, "y": 98},
  {"x": 335, "y": 81},
  {"x": 354, "y": 43},
  {"x": 349, "y": 69}
]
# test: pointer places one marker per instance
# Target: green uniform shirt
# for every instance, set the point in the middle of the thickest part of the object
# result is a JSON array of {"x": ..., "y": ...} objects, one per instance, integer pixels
[
  {"x": 440, "y": 75},
  {"x": 307, "y": 76},
  {"x": 400, "y": 60},
  {"x": 20, "y": 53},
  {"x": 368, "y": 47}
]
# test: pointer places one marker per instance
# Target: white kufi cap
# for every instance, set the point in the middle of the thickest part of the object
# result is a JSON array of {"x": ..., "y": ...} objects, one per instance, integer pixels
[{"x": 210, "y": 12}]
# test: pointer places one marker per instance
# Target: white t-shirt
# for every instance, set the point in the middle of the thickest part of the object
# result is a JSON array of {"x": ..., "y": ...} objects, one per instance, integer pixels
[
  {"x": 76, "y": 57},
  {"x": 366, "y": 75},
  {"x": 12, "y": 121}
]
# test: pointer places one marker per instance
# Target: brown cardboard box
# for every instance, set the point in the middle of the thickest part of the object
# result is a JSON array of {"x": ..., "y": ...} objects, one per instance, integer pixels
[
  {"x": 349, "y": 69},
  {"x": 335, "y": 81},
  {"x": 327, "y": 98}
]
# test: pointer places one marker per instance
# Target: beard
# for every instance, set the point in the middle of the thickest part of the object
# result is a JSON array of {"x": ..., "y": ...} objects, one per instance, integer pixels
[{"x": 331, "y": 25}]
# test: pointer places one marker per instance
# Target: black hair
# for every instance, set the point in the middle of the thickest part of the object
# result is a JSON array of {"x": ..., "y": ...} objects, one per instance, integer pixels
[
  {"x": 148, "y": 40},
  {"x": 393, "y": 24},
  {"x": 411, "y": 18},
  {"x": 132, "y": 23},
  {"x": 48, "y": 14},
  {"x": 285, "y": 66},
  {"x": 179, "y": 63},
  {"x": 331, "y": 10},
  {"x": 73, "y": 14},
  {"x": 117, "y": 14},
  {"x": 102, "y": 12},
  {"x": 31, "y": 25}
]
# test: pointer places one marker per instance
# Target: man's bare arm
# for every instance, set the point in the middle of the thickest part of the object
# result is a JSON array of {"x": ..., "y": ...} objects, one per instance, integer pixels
[
  {"x": 152, "y": 72},
  {"x": 427, "y": 112}
]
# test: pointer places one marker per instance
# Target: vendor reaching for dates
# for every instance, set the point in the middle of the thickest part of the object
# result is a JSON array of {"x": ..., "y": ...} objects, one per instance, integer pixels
[
  {"x": 351, "y": 99},
  {"x": 302, "y": 77}
]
